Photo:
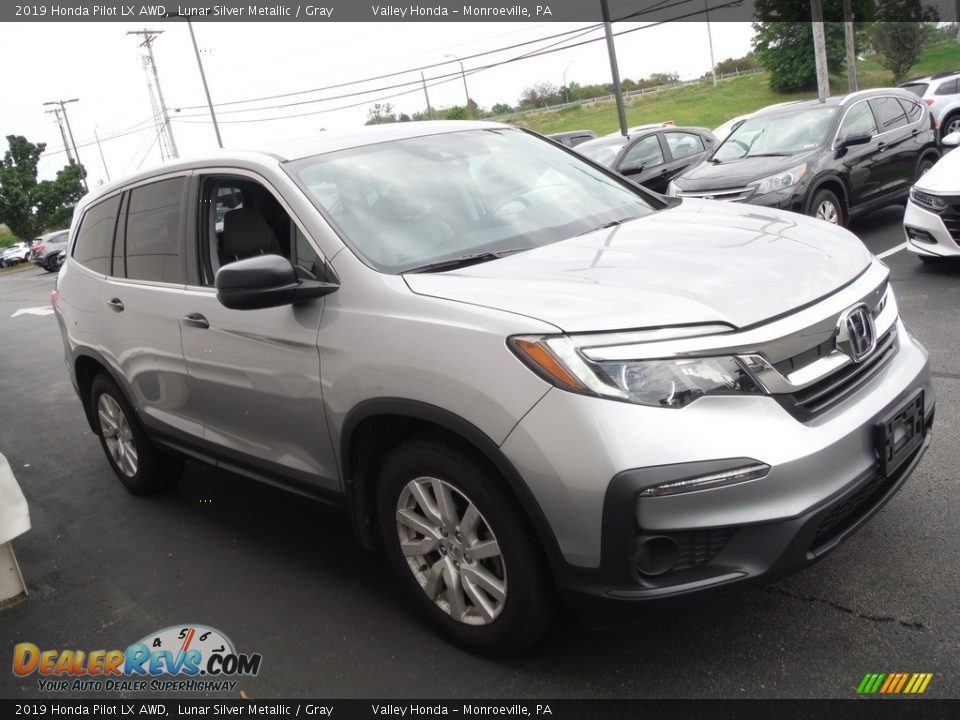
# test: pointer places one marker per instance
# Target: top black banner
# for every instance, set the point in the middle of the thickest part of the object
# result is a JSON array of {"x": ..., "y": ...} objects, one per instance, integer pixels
[{"x": 646, "y": 11}]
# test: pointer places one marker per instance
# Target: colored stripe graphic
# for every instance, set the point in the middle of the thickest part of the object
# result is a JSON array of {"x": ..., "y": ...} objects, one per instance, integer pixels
[{"x": 894, "y": 683}]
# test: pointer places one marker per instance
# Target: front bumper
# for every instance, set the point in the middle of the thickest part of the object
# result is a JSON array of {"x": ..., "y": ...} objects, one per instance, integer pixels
[
  {"x": 927, "y": 233},
  {"x": 586, "y": 460}
]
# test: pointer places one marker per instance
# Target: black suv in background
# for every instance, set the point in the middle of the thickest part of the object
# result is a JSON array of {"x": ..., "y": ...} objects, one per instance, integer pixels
[{"x": 833, "y": 160}]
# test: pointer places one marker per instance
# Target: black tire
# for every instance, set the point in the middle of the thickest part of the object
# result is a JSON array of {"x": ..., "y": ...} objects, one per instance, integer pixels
[
  {"x": 925, "y": 164},
  {"x": 529, "y": 600},
  {"x": 50, "y": 265},
  {"x": 828, "y": 196},
  {"x": 154, "y": 470},
  {"x": 947, "y": 122}
]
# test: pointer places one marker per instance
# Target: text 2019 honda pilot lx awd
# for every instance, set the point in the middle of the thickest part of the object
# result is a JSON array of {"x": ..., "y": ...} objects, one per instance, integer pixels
[{"x": 521, "y": 374}]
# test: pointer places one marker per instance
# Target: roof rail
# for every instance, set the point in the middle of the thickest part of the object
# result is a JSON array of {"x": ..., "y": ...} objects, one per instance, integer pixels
[{"x": 945, "y": 73}]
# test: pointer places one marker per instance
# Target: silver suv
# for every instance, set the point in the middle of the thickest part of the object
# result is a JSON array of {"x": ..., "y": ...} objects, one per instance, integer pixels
[
  {"x": 941, "y": 93},
  {"x": 522, "y": 375}
]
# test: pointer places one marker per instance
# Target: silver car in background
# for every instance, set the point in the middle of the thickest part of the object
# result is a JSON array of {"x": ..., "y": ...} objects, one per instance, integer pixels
[{"x": 522, "y": 375}]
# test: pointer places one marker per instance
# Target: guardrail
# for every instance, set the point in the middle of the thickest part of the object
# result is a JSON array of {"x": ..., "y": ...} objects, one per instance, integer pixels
[{"x": 629, "y": 93}]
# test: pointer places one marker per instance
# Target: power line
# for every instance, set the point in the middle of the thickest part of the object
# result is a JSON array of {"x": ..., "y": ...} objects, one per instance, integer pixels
[{"x": 451, "y": 76}]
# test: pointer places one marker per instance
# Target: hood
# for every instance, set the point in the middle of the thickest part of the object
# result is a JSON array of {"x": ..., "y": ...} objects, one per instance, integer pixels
[
  {"x": 735, "y": 173},
  {"x": 942, "y": 177},
  {"x": 699, "y": 262}
]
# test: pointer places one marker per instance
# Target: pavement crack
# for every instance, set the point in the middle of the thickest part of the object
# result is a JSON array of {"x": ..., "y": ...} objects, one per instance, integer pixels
[{"x": 849, "y": 611}]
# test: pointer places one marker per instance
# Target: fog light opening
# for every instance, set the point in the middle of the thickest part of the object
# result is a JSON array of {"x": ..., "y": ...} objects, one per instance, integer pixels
[
  {"x": 920, "y": 236},
  {"x": 656, "y": 555}
]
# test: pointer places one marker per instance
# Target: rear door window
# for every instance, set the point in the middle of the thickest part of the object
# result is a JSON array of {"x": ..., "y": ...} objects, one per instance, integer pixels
[
  {"x": 682, "y": 144},
  {"x": 646, "y": 152},
  {"x": 153, "y": 247},
  {"x": 890, "y": 114},
  {"x": 94, "y": 246}
]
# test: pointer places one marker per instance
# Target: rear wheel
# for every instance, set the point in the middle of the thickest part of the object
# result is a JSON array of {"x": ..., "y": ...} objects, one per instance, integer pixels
[
  {"x": 950, "y": 125},
  {"x": 139, "y": 465},
  {"x": 826, "y": 206},
  {"x": 463, "y": 552}
]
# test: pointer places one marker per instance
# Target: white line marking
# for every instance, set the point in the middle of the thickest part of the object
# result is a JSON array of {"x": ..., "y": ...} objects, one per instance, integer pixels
[
  {"x": 33, "y": 311},
  {"x": 892, "y": 251}
]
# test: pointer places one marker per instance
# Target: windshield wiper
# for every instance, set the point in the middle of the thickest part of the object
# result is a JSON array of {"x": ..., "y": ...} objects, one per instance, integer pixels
[
  {"x": 612, "y": 223},
  {"x": 462, "y": 261},
  {"x": 769, "y": 154}
]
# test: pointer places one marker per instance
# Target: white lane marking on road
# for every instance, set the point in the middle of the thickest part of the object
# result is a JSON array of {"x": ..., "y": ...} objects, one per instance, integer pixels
[
  {"x": 892, "y": 251},
  {"x": 33, "y": 311}
]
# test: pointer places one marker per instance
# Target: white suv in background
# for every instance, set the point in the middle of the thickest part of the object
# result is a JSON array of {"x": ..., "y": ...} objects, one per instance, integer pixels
[
  {"x": 932, "y": 218},
  {"x": 941, "y": 93}
]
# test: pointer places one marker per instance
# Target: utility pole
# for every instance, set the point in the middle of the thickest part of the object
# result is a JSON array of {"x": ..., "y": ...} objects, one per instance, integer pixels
[
  {"x": 66, "y": 120},
  {"x": 426, "y": 95},
  {"x": 203, "y": 75},
  {"x": 614, "y": 70},
  {"x": 100, "y": 148},
  {"x": 466, "y": 92},
  {"x": 851, "y": 46},
  {"x": 63, "y": 133},
  {"x": 820, "y": 49},
  {"x": 566, "y": 92},
  {"x": 148, "y": 37},
  {"x": 713, "y": 64}
]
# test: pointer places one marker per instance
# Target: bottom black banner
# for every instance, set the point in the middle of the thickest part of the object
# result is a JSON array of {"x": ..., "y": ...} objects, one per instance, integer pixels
[{"x": 872, "y": 709}]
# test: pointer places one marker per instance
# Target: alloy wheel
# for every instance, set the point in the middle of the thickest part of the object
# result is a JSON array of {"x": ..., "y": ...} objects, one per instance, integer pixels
[
  {"x": 451, "y": 551},
  {"x": 826, "y": 210},
  {"x": 118, "y": 435}
]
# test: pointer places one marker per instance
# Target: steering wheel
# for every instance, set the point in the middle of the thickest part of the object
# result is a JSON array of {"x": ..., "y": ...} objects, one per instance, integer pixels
[{"x": 503, "y": 203}]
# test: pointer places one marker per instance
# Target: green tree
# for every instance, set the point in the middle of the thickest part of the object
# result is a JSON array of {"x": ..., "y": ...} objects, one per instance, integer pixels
[
  {"x": 380, "y": 113},
  {"x": 783, "y": 42},
  {"x": 501, "y": 109},
  {"x": 29, "y": 207},
  {"x": 900, "y": 33}
]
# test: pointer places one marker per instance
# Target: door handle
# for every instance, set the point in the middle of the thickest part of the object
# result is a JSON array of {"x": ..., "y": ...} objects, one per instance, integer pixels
[
  {"x": 914, "y": 133},
  {"x": 116, "y": 304},
  {"x": 195, "y": 320},
  {"x": 881, "y": 146}
]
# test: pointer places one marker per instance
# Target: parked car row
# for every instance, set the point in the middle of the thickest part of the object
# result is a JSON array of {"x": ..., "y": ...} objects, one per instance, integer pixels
[
  {"x": 832, "y": 160},
  {"x": 14, "y": 254}
]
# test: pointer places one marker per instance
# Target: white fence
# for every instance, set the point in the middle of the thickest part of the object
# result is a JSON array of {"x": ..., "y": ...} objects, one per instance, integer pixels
[{"x": 631, "y": 93}]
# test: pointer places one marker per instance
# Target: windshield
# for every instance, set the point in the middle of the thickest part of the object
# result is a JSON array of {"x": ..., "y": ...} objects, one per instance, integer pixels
[
  {"x": 779, "y": 134},
  {"x": 409, "y": 203},
  {"x": 603, "y": 151},
  {"x": 917, "y": 89}
]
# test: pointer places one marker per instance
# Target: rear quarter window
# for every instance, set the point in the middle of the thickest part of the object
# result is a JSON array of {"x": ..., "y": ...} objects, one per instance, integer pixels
[
  {"x": 153, "y": 248},
  {"x": 94, "y": 245}
]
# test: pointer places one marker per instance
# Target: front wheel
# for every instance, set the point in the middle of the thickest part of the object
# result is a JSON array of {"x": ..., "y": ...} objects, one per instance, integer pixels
[
  {"x": 950, "y": 125},
  {"x": 138, "y": 464},
  {"x": 827, "y": 207},
  {"x": 463, "y": 552}
]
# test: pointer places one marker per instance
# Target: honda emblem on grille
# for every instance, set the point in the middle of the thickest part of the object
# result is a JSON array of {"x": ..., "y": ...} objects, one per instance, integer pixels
[{"x": 856, "y": 335}]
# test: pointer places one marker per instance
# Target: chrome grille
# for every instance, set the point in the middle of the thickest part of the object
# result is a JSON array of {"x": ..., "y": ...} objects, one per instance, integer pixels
[
  {"x": 835, "y": 387},
  {"x": 733, "y": 194}
]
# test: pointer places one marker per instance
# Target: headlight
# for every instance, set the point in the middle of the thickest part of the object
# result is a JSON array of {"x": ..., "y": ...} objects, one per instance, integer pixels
[
  {"x": 672, "y": 189},
  {"x": 673, "y": 382},
  {"x": 928, "y": 201},
  {"x": 780, "y": 180}
]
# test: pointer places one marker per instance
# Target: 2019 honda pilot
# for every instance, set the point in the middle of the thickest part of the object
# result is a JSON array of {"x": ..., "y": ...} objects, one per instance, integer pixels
[{"x": 521, "y": 374}]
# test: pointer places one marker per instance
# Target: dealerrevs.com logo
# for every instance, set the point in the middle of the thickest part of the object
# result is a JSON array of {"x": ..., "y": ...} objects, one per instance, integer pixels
[{"x": 184, "y": 658}]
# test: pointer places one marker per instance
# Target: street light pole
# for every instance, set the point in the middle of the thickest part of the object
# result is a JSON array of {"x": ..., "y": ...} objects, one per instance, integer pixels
[
  {"x": 66, "y": 119},
  {"x": 614, "y": 70},
  {"x": 566, "y": 93},
  {"x": 463, "y": 74},
  {"x": 100, "y": 148}
]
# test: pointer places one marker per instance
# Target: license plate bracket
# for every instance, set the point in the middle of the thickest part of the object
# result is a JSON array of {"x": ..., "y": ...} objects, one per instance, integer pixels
[{"x": 900, "y": 432}]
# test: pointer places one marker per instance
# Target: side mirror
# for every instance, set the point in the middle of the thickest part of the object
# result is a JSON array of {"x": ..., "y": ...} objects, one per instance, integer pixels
[
  {"x": 632, "y": 169},
  {"x": 951, "y": 140},
  {"x": 265, "y": 281},
  {"x": 860, "y": 138}
]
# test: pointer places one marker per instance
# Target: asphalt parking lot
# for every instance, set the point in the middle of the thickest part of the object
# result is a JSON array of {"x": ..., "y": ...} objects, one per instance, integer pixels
[{"x": 283, "y": 577}]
